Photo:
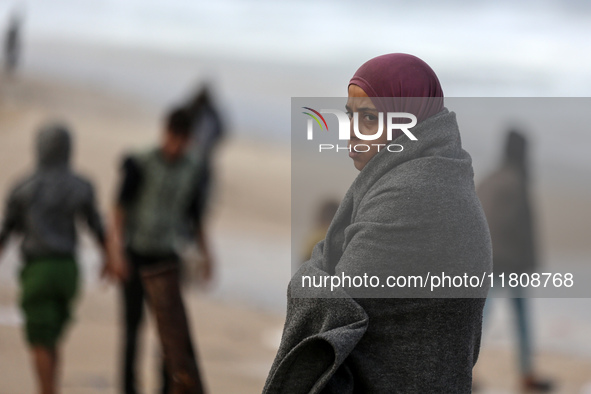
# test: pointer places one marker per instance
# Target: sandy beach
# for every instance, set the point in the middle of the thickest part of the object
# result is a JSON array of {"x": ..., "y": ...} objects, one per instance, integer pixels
[
  {"x": 234, "y": 332},
  {"x": 238, "y": 323},
  {"x": 236, "y": 345}
]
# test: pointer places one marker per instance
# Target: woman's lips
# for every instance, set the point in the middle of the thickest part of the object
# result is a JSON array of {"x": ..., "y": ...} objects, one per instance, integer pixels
[{"x": 353, "y": 154}]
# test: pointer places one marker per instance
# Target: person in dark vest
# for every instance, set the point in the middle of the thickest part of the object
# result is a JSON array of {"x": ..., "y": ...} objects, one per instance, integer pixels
[
  {"x": 44, "y": 209},
  {"x": 158, "y": 201},
  {"x": 505, "y": 198}
]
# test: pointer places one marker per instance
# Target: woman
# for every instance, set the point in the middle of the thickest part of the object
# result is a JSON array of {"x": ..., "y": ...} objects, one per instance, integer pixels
[{"x": 408, "y": 212}]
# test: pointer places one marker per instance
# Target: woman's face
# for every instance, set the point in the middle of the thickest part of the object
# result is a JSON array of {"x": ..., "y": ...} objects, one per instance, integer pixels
[{"x": 362, "y": 151}]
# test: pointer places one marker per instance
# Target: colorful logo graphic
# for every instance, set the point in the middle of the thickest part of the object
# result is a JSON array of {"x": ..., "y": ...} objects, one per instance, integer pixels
[{"x": 315, "y": 118}]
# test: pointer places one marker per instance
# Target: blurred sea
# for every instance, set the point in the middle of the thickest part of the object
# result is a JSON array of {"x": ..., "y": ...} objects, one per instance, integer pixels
[{"x": 260, "y": 53}]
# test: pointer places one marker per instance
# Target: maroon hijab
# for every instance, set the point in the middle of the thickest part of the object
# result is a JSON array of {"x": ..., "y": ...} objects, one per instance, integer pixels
[{"x": 396, "y": 77}]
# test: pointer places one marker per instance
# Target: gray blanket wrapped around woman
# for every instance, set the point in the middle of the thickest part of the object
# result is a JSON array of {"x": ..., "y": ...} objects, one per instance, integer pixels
[{"x": 406, "y": 213}]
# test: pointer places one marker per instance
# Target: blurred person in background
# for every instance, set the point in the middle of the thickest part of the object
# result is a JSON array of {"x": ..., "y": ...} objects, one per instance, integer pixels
[
  {"x": 12, "y": 44},
  {"x": 208, "y": 127},
  {"x": 43, "y": 209},
  {"x": 505, "y": 197},
  {"x": 325, "y": 214},
  {"x": 207, "y": 130},
  {"x": 159, "y": 199}
]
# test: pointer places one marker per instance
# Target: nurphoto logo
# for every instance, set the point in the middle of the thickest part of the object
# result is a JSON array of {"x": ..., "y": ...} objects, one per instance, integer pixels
[{"x": 344, "y": 124}]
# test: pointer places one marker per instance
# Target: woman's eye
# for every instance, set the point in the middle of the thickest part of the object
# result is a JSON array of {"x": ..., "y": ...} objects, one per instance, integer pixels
[{"x": 370, "y": 117}]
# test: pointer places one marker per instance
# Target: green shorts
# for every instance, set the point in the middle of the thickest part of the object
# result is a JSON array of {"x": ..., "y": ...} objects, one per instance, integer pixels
[{"x": 48, "y": 288}]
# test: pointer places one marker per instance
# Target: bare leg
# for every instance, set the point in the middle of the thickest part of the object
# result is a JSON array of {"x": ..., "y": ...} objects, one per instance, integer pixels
[{"x": 45, "y": 360}]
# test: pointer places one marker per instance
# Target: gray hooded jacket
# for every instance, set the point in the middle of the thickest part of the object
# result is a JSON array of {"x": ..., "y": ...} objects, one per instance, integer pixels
[{"x": 44, "y": 207}]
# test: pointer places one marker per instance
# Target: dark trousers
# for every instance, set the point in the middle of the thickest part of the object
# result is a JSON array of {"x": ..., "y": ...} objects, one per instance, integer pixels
[
  {"x": 133, "y": 297},
  {"x": 162, "y": 286}
]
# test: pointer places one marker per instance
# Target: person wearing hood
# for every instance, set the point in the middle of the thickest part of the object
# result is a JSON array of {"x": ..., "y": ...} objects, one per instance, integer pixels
[
  {"x": 43, "y": 208},
  {"x": 407, "y": 212},
  {"x": 506, "y": 202}
]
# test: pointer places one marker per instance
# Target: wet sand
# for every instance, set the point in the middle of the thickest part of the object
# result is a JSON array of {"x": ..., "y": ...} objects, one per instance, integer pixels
[{"x": 236, "y": 346}]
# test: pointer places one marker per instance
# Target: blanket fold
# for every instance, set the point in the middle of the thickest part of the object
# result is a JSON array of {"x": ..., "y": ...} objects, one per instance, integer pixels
[{"x": 321, "y": 332}]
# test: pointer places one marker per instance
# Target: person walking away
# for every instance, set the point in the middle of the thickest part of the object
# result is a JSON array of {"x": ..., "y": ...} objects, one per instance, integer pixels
[{"x": 43, "y": 208}]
